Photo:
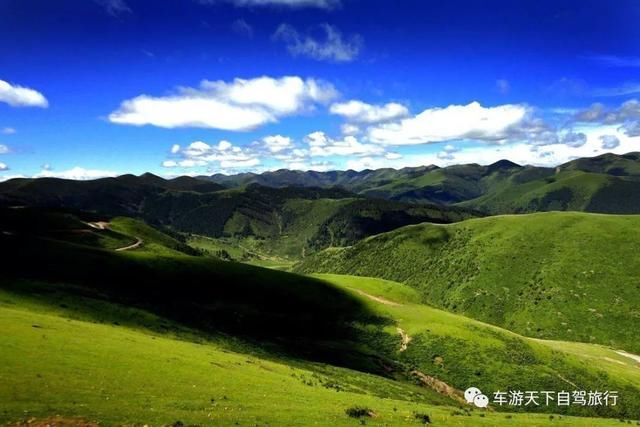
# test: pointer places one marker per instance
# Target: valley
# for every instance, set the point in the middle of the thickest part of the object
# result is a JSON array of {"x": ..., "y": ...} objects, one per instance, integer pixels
[{"x": 183, "y": 302}]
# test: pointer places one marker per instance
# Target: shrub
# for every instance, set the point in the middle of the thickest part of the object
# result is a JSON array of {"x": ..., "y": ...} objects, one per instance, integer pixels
[
  {"x": 423, "y": 418},
  {"x": 359, "y": 412}
]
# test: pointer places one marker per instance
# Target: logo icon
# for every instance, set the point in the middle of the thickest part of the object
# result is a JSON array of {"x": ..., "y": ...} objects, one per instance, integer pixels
[{"x": 475, "y": 396}]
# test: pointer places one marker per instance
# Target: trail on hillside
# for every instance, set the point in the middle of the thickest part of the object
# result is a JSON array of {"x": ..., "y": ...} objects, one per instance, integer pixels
[
  {"x": 406, "y": 339},
  {"x": 378, "y": 299},
  {"x": 137, "y": 244},
  {"x": 99, "y": 225},
  {"x": 629, "y": 355},
  {"x": 440, "y": 386}
]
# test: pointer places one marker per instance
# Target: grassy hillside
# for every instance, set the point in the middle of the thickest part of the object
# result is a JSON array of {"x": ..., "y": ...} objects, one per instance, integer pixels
[
  {"x": 54, "y": 367},
  {"x": 463, "y": 352},
  {"x": 552, "y": 275},
  {"x": 203, "y": 341},
  {"x": 281, "y": 222},
  {"x": 93, "y": 230},
  {"x": 566, "y": 190}
]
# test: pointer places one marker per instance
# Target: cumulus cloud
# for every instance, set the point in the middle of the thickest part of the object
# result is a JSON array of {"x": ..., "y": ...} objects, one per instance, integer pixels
[
  {"x": 242, "y": 27},
  {"x": 627, "y": 116},
  {"x": 321, "y": 4},
  {"x": 322, "y": 145},
  {"x": 361, "y": 112},
  {"x": 609, "y": 142},
  {"x": 76, "y": 173},
  {"x": 317, "y": 166},
  {"x": 3, "y": 167},
  {"x": 472, "y": 121},
  {"x": 574, "y": 139},
  {"x": 349, "y": 129},
  {"x": 331, "y": 47},
  {"x": 224, "y": 155},
  {"x": 240, "y": 105},
  {"x": 631, "y": 128},
  {"x": 7, "y": 131},
  {"x": 20, "y": 96},
  {"x": 447, "y": 152},
  {"x": 277, "y": 143}
]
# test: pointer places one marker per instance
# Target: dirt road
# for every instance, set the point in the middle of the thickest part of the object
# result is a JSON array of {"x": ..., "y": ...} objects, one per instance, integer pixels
[{"x": 137, "y": 244}]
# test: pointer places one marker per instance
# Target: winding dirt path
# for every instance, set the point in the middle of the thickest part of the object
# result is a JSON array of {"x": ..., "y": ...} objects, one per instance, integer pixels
[
  {"x": 99, "y": 225},
  {"x": 137, "y": 244},
  {"x": 629, "y": 355},
  {"x": 406, "y": 339}
]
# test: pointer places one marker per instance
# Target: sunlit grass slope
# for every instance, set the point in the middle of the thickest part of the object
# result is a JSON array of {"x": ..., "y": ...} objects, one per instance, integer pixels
[
  {"x": 463, "y": 352},
  {"x": 569, "y": 276},
  {"x": 51, "y": 365}
]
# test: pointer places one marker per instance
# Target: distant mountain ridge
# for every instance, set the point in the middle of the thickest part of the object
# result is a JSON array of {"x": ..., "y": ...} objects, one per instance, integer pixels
[
  {"x": 608, "y": 183},
  {"x": 287, "y": 221}
]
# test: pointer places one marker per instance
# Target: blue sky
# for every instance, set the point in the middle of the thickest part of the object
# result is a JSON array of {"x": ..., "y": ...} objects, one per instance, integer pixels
[{"x": 92, "y": 88}]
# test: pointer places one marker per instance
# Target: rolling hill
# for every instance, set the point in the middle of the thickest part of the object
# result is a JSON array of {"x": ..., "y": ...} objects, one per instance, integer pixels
[
  {"x": 570, "y": 276},
  {"x": 155, "y": 336},
  {"x": 287, "y": 222}
]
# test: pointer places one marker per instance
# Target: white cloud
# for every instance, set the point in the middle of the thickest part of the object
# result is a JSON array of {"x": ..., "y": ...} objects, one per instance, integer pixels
[
  {"x": 277, "y": 143},
  {"x": 242, "y": 27},
  {"x": 627, "y": 116},
  {"x": 361, "y": 112},
  {"x": 523, "y": 153},
  {"x": 321, "y": 4},
  {"x": 76, "y": 173},
  {"x": 175, "y": 148},
  {"x": 169, "y": 164},
  {"x": 472, "y": 121},
  {"x": 366, "y": 163},
  {"x": 240, "y": 105},
  {"x": 223, "y": 155},
  {"x": 332, "y": 48},
  {"x": 609, "y": 142},
  {"x": 20, "y": 96},
  {"x": 4, "y": 149},
  {"x": 574, "y": 139},
  {"x": 8, "y": 131},
  {"x": 321, "y": 145},
  {"x": 3, "y": 167},
  {"x": 313, "y": 166},
  {"x": 447, "y": 153},
  {"x": 349, "y": 129}
]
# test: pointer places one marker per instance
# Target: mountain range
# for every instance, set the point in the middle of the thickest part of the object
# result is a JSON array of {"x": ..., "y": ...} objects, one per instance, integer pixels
[{"x": 605, "y": 184}]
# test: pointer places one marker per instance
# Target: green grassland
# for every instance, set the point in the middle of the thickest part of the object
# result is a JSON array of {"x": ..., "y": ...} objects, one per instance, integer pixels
[
  {"x": 464, "y": 352},
  {"x": 568, "y": 276},
  {"x": 286, "y": 223},
  {"x": 154, "y": 336},
  {"x": 54, "y": 365}
]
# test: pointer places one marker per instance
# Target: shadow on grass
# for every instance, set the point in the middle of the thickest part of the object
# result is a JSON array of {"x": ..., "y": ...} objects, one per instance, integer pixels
[{"x": 304, "y": 317}]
